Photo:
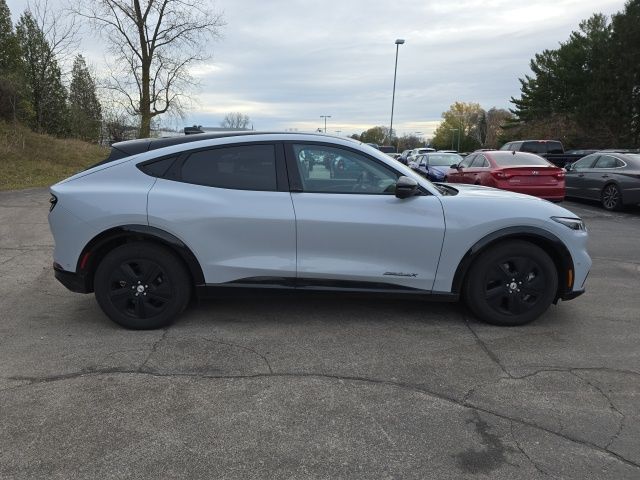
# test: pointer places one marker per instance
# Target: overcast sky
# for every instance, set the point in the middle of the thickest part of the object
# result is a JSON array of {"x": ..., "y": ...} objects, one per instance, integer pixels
[{"x": 286, "y": 62}]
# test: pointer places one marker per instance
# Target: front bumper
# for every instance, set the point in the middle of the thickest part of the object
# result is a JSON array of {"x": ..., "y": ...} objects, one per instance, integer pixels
[
  {"x": 571, "y": 295},
  {"x": 75, "y": 282}
]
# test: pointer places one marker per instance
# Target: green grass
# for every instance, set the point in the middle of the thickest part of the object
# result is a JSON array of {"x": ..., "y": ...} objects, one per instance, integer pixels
[{"x": 29, "y": 159}]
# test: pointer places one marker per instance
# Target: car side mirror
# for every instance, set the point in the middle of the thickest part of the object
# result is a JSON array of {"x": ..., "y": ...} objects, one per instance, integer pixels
[
  {"x": 456, "y": 166},
  {"x": 567, "y": 167},
  {"x": 406, "y": 187}
]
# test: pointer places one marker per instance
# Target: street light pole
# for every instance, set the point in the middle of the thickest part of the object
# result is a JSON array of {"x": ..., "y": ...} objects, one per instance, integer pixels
[
  {"x": 399, "y": 42},
  {"x": 325, "y": 121},
  {"x": 452, "y": 137}
]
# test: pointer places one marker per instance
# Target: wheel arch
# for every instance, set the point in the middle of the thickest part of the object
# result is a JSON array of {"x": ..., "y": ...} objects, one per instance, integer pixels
[
  {"x": 99, "y": 246},
  {"x": 550, "y": 243}
]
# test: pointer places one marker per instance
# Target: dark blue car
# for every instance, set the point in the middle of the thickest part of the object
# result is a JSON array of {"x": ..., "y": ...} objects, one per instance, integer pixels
[{"x": 435, "y": 165}]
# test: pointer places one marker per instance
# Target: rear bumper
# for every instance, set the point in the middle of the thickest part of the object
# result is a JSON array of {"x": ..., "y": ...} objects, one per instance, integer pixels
[
  {"x": 73, "y": 281},
  {"x": 555, "y": 194}
]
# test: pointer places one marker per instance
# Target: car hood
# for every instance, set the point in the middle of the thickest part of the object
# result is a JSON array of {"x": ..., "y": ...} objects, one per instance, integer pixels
[
  {"x": 440, "y": 170},
  {"x": 512, "y": 200}
]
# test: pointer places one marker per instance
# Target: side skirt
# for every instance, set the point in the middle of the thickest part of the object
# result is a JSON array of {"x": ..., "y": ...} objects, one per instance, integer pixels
[{"x": 267, "y": 286}]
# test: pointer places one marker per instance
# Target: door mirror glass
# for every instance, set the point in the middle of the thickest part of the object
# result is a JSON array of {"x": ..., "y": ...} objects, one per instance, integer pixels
[{"x": 406, "y": 187}]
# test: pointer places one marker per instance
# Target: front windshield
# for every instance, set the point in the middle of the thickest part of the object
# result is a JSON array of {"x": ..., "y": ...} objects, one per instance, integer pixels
[{"x": 443, "y": 159}]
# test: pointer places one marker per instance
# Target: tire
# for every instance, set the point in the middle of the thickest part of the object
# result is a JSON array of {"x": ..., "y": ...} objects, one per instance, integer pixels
[
  {"x": 611, "y": 197},
  {"x": 510, "y": 284},
  {"x": 142, "y": 286}
]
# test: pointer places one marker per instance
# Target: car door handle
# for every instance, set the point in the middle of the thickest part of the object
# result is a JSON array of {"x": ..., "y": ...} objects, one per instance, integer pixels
[
  {"x": 605, "y": 176},
  {"x": 581, "y": 174}
]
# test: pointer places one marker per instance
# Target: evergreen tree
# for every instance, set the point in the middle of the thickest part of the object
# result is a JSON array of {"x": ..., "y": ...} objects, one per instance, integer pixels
[
  {"x": 9, "y": 66},
  {"x": 84, "y": 107},
  {"x": 625, "y": 41},
  {"x": 587, "y": 91},
  {"x": 45, "y": 92}
]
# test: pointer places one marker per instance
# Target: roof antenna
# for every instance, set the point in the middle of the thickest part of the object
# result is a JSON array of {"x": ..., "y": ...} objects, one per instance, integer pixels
[{"x": 513, "y": 152}]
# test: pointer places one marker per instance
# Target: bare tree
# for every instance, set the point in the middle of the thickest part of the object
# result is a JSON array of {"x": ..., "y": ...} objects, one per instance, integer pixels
[
  {"x": 153, "y": 42},
  {"x": 235, "y": 120},
  {"x": 60, "y": 31}
]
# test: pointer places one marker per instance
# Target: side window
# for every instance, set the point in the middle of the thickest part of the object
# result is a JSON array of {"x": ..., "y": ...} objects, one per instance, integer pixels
[
  {"x": 247, "y": 167},
  {"x": 467, "y": 161},
  {"x": 480, "y": 162},
  {"x": 325, "y": 169},
  {"x": 584, "y": 163},
  {"x": 555, "y": 148},
  {"x": 506, "y": 146},
  {"x": 157, "y": 168},
  {"x": 606, "y": 161}
]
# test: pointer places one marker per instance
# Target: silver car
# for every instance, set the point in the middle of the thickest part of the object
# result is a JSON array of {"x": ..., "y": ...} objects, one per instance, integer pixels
[{"x": 162, "y": 220}]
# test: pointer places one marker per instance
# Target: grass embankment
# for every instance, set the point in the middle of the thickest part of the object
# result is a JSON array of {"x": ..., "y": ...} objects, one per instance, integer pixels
[{"x": 29, "y": 159}]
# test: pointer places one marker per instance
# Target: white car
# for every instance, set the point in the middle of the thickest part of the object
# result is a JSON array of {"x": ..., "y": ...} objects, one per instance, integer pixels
[
  {"x": 162, "y": 220},
  {"x": 418, "y": 151}
]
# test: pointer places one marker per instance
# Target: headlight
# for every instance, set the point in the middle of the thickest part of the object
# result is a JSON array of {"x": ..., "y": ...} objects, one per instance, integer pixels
[{"x": 572, "y": 223}]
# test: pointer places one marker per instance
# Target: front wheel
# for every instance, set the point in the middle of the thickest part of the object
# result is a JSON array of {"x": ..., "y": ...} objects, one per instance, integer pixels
[
  {"x": 141, "y": 286},
  {"x": 512, "y": 283},
  {"x": 611, "y": 198}
]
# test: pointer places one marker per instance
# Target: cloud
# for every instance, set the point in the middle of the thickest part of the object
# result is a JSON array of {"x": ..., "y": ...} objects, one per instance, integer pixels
[{"x": 286, "y": 62}]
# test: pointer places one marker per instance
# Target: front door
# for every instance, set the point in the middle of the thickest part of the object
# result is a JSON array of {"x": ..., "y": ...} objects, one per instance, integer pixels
[{"x": 351, "y": 228}]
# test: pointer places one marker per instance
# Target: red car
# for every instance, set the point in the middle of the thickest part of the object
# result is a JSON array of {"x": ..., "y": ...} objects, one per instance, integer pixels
[{"x": 515, "y": 171}]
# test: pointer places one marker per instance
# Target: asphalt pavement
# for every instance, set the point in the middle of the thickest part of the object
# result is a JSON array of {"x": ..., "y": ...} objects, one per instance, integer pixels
[{"x": 317, "y": 386}]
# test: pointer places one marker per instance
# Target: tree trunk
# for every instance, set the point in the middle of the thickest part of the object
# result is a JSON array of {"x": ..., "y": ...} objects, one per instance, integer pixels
[{"x": 145, "y": 101}]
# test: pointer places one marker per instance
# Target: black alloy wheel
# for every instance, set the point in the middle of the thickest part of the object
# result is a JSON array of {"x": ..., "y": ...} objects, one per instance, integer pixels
[
  {"x": 511, "y": 284},
  {"x": 611, "y": 197},
  {"x": 141, "y": 286}
]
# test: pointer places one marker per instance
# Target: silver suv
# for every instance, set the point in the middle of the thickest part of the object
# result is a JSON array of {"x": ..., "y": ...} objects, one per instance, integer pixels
[{"x": 162, "y": 220}]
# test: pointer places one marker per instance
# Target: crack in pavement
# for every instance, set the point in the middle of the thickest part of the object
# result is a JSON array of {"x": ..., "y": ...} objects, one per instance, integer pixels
[
  {"x": 154, "y": 347},
  {"x": 242, "y": 347},
  {"x": 519, "y": 447},
  {"x": 404, "y": 386},
  {"x": 553, "y": 368},
  {"x": 612, "y": 406},
  {"x": 494, "y": 358}
]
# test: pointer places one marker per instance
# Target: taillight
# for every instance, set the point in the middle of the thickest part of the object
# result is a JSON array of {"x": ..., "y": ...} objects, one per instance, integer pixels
[
  {"x": 52, "y": 201},
  {"x": 560, "y": 175}
]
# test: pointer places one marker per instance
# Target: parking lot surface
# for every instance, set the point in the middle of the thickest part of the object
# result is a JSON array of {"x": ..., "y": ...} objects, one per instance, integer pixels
[{"x": 319, "y": 386}]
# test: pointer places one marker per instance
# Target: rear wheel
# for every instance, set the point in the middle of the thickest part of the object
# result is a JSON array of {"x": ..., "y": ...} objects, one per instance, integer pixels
[
  {"x": 142, "y": 286},
  {"x": 611, "y": 197},
  {"x": 512, "y": 283}
]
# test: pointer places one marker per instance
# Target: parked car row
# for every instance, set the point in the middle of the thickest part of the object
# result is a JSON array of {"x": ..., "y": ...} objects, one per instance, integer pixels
[{"x": 610, "y": 177}]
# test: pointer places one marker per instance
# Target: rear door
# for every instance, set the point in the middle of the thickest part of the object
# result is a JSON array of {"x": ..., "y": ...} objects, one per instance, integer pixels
[
  {"x": 232, "y": 207},
  {"x": 354, "y": 232},
  {"x": 601, "y": 173}
]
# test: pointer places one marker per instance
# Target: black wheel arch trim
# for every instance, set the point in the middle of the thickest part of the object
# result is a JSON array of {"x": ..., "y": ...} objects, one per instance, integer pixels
[
  {"x": 549, "y": 242},
  {"x": 102, "y": 243}
]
